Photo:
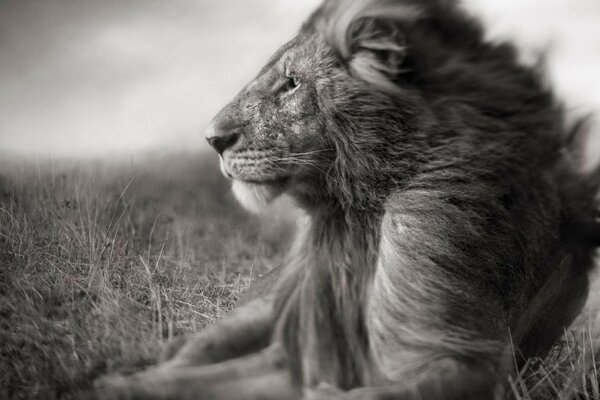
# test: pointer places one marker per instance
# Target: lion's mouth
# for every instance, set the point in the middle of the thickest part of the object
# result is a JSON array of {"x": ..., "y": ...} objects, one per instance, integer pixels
[
  {"x": 280, "y": 181},
  {"x": 254, "y": 173},
  {"x": 257, "y": 180}
]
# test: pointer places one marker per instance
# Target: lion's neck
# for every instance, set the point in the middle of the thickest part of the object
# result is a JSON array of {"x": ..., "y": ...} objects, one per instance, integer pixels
[{"x": 320, "y": 307}]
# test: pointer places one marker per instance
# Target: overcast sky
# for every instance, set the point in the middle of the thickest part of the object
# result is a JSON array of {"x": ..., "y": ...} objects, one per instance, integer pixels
[{"x": 91, "y": 77}]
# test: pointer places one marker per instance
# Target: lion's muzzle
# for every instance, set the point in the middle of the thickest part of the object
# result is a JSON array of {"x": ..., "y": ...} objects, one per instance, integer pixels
[{"x": 222, "y": 137}]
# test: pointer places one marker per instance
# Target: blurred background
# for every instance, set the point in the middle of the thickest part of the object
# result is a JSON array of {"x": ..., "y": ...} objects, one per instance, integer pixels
[{"x": 95, "y": 78}]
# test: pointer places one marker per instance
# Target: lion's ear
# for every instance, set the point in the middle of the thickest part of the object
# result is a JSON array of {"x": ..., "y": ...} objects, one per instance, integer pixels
[
  {"x": 377, "y": 49},
  {"x": 369, "y": 38}
]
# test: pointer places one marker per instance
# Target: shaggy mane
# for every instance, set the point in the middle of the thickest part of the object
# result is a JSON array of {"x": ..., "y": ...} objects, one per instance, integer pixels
[{"x": 487, "y": 125}]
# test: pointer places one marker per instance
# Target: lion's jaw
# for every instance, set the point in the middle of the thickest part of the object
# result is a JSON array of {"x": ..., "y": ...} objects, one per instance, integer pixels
[{"x": 255, "y": 197}]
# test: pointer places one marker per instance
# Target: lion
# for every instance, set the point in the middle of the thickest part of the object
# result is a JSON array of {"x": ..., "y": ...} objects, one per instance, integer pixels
[{"x": 448, "y": 228}]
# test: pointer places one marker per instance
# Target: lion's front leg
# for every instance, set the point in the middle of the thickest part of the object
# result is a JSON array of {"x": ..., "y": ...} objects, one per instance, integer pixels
[
  {"x": 232, "y": 359},
  {"x": 449, "y": 379},
  {"x": 246, "y": 330},
  {"x": 263, "y": 376}
]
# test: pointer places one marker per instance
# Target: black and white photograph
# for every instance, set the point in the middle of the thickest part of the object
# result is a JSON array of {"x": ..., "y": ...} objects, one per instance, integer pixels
[{"x": 299, "y": 199}]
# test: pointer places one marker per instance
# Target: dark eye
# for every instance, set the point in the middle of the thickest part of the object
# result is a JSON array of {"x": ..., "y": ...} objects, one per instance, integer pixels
[{"x": 291, "y": 83}]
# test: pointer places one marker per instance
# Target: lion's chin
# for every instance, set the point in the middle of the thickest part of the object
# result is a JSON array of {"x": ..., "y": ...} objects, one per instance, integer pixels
[{"x": 255, "y": 197}]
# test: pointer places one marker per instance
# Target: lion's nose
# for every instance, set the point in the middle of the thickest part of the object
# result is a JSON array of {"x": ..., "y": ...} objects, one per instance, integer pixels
[{"x": 221, "y": 138}]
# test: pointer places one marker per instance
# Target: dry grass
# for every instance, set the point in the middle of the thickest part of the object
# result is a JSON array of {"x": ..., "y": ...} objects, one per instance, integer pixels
[{"x": 101, "y": 264}]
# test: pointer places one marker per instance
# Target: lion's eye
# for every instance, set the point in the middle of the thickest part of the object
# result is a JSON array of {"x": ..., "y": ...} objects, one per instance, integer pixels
[{"x": 291, "y": 83}]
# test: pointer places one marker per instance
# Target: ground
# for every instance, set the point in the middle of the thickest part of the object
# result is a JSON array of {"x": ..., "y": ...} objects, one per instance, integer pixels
[{"x": 103, "y": 263}]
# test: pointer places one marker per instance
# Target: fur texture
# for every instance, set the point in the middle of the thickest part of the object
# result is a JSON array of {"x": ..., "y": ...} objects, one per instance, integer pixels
[{"x": 446, "y": 218}]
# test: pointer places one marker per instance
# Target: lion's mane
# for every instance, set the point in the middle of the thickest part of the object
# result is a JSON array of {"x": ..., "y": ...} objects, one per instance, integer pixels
[{"x": 467, "y": 125}]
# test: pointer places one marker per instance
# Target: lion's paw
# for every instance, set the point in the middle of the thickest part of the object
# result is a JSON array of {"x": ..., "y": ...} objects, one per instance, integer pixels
[
  {"x": 323, "y": 391},
  {"x": 114, "y": 387}
]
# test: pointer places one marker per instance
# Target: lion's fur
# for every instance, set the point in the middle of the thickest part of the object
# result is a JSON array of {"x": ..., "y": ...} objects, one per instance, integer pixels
[
  {"x": 467, "y": 128},
  {"x": 446, "y": 215}
]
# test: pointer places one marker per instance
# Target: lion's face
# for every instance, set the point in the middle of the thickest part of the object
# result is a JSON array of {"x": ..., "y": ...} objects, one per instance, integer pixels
[
  {"x": 270, "y": 137},
  {"x": 325, "y": 117}
]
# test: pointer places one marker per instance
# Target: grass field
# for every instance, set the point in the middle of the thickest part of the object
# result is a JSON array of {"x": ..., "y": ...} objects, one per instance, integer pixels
[{"x": 102, "y": 263}]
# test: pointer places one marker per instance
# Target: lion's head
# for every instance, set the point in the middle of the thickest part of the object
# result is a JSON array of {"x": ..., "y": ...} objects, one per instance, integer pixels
[
  {"x": 318, "y": 109},
  {"x": 272, "y": 134},
  {"x": 356, "y": 104}
]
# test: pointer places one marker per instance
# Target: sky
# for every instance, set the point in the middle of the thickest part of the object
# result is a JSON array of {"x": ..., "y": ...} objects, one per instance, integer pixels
[{"x": 94, "y": 77}]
